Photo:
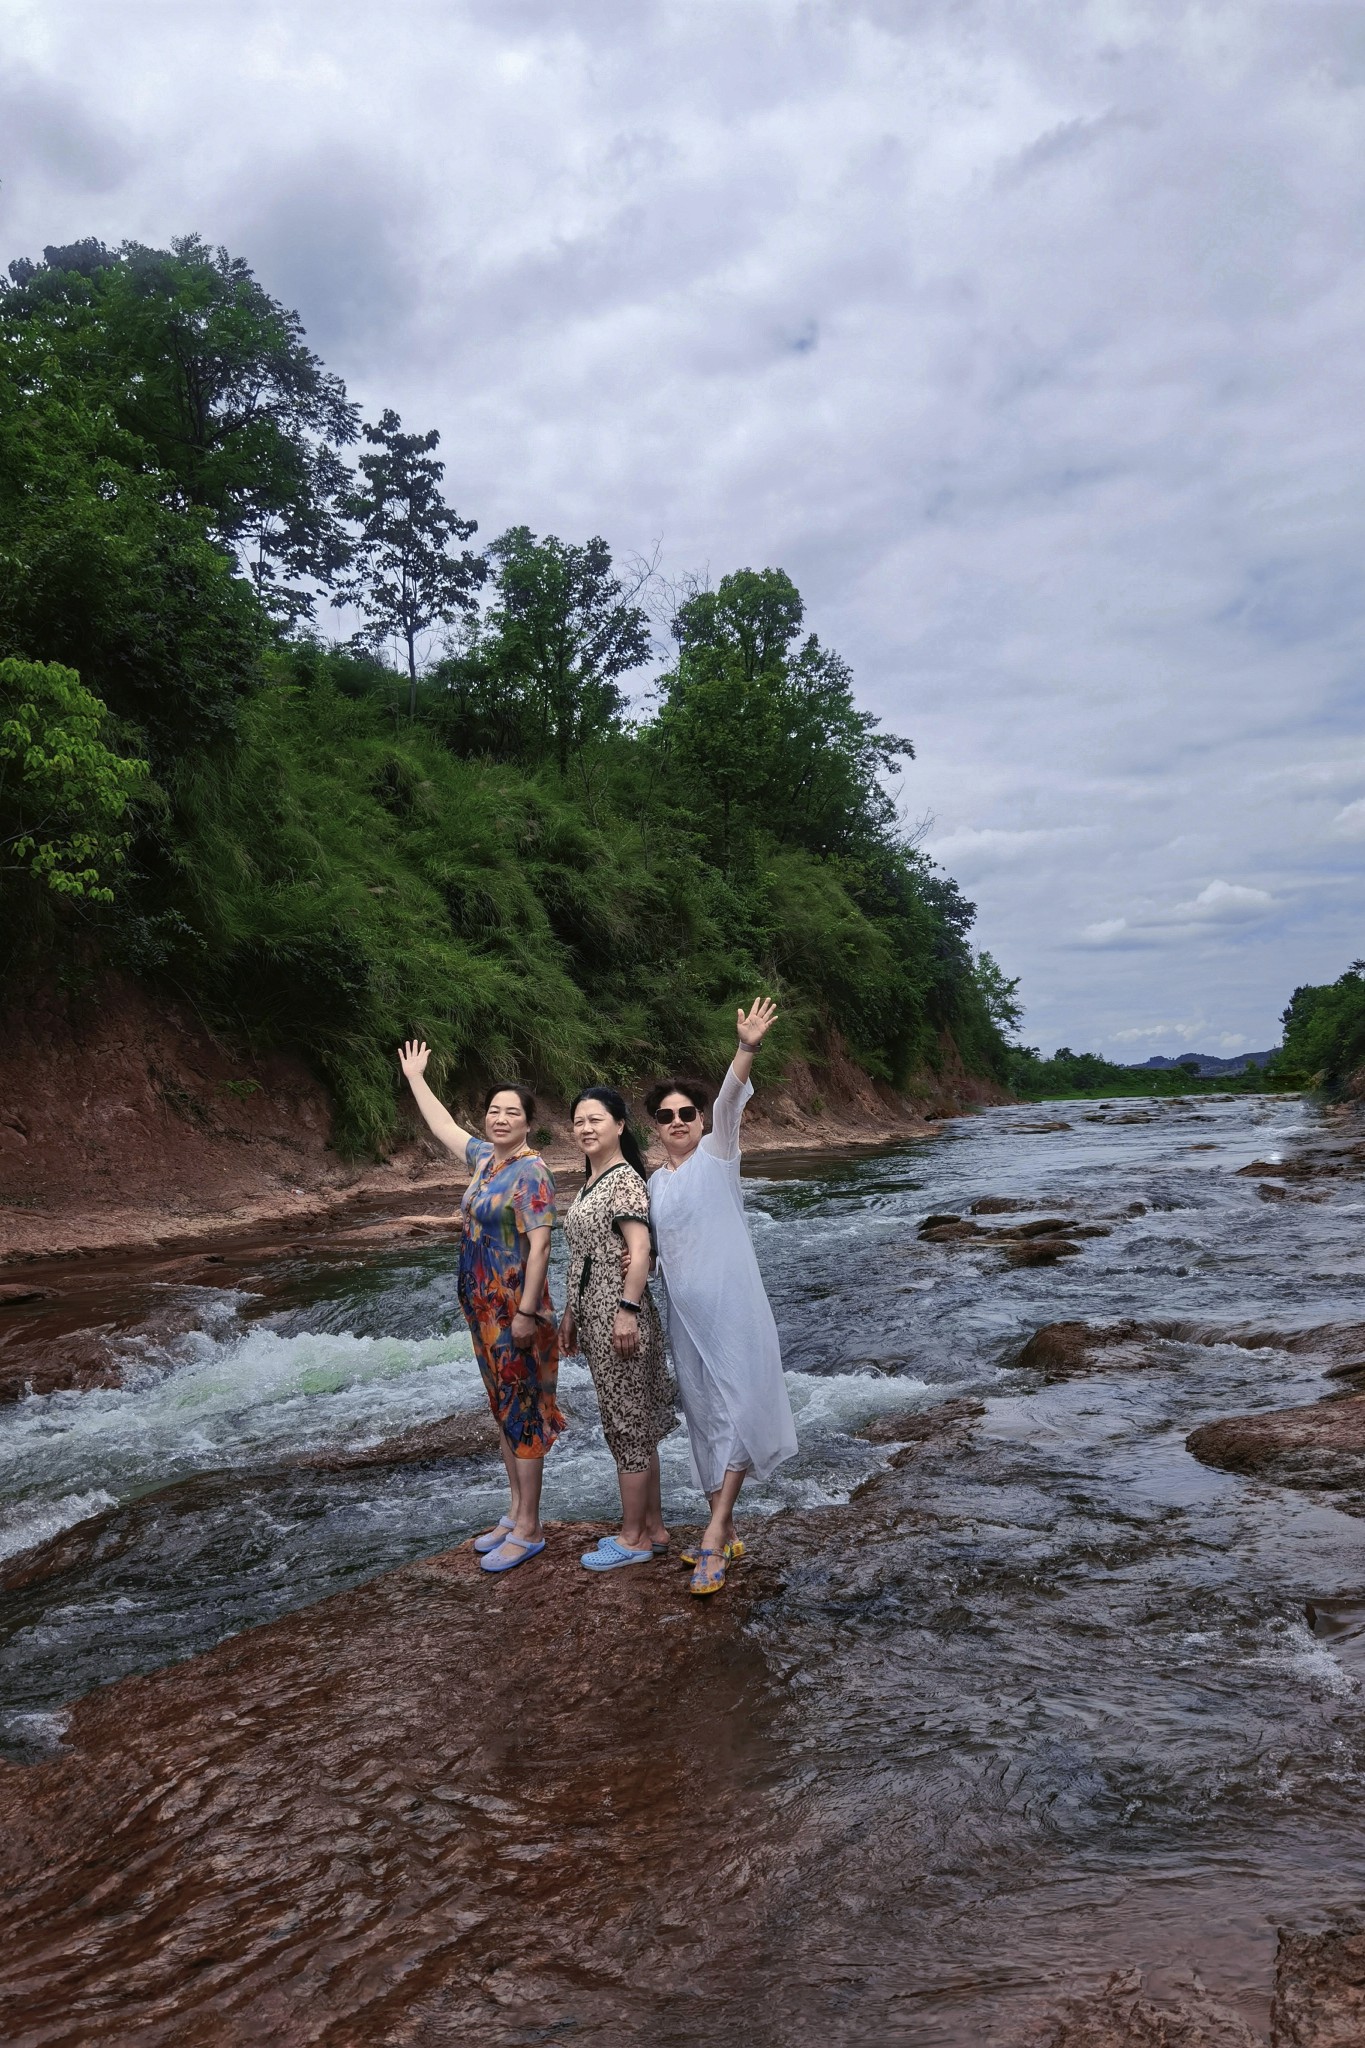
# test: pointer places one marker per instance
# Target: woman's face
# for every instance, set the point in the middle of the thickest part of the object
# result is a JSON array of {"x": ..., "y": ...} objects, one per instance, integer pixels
[
  {"x": 505, "y": 1122},
  {"x": 680, "y": 1126},
  {"x": 596, "y": 1130}
]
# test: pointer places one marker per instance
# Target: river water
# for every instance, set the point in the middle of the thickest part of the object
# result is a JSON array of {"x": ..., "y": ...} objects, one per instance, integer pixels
[{"x": 1061, "y": 1713}]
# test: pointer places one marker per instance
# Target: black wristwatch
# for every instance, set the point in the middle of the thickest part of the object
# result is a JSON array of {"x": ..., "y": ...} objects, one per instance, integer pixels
[{"x": 631, "y": 1307}]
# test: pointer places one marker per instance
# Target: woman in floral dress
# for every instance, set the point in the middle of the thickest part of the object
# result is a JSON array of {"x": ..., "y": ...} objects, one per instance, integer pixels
[
  {"x": 507, "y": 1214},
  {"x": 610, "y": 1318}
]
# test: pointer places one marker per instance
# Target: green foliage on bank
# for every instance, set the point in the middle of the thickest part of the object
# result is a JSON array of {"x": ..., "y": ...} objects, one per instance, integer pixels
[
  {"x": 326, "y": 850},
  {"x": 1324, "y": 1034},
  {"x": 1088, "y": 1075}
]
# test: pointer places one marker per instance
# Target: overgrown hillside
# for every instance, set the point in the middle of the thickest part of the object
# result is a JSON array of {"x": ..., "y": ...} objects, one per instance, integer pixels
[{"x": 455, "y": 826}]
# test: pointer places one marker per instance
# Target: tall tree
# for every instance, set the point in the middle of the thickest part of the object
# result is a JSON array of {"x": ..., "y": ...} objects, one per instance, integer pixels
[
  {"x": 762, "y": 726},
  {"x": 562, "y": 631},
  {"x": 407, "y": 577},
  {"x": 100, "y": 572},
  {"x": 235, "y": 414}
]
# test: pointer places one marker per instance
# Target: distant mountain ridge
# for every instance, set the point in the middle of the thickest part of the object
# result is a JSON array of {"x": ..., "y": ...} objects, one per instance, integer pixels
[{"x": 1205, "y": 1063}]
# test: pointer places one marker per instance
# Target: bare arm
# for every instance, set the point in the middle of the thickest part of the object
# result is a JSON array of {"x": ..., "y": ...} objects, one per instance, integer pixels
[
  {"x": 729, "y": 1103},
  {"x": 537, "y": 1266},
  {"x": 625, "y": 1334},
  {"x": 413, "y": 1060},
  {"x": 752, "y": 1031},
  {"x": 635, "y": 1278}
]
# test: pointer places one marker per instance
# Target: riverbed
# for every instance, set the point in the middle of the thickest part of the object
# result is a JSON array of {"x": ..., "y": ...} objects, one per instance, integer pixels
[{"x": 1037, "y": 1703}]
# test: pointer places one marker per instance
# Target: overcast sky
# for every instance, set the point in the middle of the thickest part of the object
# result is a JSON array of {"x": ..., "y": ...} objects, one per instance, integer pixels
[{"x": 1030, "y": 340}]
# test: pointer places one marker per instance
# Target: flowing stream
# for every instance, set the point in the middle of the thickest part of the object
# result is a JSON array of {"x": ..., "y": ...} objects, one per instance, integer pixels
[{"x": 1066, "y": 1716}]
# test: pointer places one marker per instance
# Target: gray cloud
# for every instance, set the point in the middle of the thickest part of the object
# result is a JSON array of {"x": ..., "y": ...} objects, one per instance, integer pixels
[
  {"x": 1026, "y": 339},
  {"x": 50, "y": 139}
]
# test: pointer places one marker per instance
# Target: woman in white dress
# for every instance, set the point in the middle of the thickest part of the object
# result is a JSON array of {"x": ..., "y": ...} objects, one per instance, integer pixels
[{"x": 720, "y": 1327}]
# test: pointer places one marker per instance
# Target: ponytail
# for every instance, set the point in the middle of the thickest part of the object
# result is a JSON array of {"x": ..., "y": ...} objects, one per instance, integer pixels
[{"x": 616, "y": 1107}]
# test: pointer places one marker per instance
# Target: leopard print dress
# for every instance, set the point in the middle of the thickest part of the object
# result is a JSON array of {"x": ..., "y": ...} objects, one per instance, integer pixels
[{"x": 636, "y": 1395}]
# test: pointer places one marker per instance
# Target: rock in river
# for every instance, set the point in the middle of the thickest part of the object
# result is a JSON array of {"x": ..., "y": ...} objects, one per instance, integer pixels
[{"x": 1320, "y": 1448}]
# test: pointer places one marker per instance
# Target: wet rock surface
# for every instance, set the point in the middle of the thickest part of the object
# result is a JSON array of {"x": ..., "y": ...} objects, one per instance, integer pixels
[
  {"x": 1319, "y": 1989},
  {"x": 386, "y": 1812},
  {"x": 1320, "y": 1448},
  {"x": 1120, "y": 2017}
]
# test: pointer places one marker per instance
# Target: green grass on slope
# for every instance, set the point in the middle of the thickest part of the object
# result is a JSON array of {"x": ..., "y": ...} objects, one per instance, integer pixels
[{"x": 338, "y": 882}]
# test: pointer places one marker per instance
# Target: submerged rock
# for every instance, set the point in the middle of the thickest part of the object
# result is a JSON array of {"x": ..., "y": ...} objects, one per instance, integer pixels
[
  {"x": 1041, "y": 1251},
  {"x": 921, "y": 1425},
  {"x": 1120, "y": 2017},
  {"x": 469, "y": 1434}
]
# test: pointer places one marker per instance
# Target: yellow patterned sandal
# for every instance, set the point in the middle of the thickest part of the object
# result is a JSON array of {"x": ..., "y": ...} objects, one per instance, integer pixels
[
  {"x": 709, "y": 1575},
  {"x": 733, "y": 1552}
]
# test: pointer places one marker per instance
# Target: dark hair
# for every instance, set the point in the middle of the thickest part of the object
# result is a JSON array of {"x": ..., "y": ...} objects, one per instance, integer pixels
[
  {"x": 698, "y": 1095},
  {"x": 523, "y": 1095},
  {"x": 615, "y": 1106}
]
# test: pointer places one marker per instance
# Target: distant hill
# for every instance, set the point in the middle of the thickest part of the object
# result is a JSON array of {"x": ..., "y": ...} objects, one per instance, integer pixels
[{"x": 1205, "y": 1063}]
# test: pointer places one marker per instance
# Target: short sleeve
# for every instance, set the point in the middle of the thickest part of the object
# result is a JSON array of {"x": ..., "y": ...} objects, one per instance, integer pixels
[
  {"x": 475, "y": 1152},
  {"x": 533, "y": 1197},
  {"x": 630, "y": 1199}
]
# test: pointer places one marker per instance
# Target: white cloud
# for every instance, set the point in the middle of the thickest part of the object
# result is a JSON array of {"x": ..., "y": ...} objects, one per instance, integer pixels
[
  {"x": 1350, "y": 823},
  {"x": 1224, "y": 900}
]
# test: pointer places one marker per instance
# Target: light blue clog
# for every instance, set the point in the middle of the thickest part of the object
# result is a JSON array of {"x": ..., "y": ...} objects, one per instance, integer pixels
[{"x": 610, "y": 1554}]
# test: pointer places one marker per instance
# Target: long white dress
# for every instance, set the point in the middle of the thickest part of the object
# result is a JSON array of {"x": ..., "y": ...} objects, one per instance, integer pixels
[{"x": 720, "y": 1326}]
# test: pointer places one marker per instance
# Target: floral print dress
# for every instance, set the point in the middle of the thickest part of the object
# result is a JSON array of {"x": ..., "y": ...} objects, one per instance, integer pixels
[
  {"x": 499, "y": 1210},
  {"x": 635, "y": 1395}
]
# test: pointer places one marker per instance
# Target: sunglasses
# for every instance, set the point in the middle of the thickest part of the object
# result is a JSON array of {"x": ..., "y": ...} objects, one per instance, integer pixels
[{"x": 684, "y": 1116}]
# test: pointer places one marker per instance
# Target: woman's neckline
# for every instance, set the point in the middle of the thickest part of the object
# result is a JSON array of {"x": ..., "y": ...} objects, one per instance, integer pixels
[
  {"x": 523, "y": 1152},
  {"x": 596, "y": 1177}
]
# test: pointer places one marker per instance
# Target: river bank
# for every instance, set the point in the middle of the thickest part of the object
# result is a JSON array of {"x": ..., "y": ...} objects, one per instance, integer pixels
[
  {"x": 1019, "y": 1724},
  {"x": 126, "y": 1126}
]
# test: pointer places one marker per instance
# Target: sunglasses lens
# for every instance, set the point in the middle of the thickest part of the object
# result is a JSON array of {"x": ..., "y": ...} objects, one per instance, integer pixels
[{"x": 688, "y": 1116}]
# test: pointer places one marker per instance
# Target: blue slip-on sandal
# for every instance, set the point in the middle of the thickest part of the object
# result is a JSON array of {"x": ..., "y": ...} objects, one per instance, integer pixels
[
  {"x": 491, "y": 1538},
  {"x": 611, "y": 1554},
  {"x": 499, "y": 1561}
]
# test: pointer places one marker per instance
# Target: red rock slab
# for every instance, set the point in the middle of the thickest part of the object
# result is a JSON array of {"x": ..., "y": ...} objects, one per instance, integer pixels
[
  {"x": 1319, "y": 1990},
  {"x": 441, "y": 1807}
]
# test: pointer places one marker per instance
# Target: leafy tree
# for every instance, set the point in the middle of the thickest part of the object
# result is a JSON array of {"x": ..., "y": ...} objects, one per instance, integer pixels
[
  {"x": 235, "y": 415},
  {"x": 999, "y": 993},
  {"x": 406, "y": 577},
  {"x": 65, "y": 796},
  {"x": 101, "y": 572},
  {"x": 562, "y": 631},
  {"x": 770, "y": 731},
  {"x": 1324, "y": 1033}
]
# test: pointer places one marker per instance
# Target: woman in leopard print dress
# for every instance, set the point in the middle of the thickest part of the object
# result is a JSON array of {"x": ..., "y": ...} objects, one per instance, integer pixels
[{"x": 610, "y": 1318}]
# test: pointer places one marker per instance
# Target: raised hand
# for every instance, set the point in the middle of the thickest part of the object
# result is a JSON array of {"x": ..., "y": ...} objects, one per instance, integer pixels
[
  {"x": 754, "y": 1028},
  {"x": 413, "y": 1057}
]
